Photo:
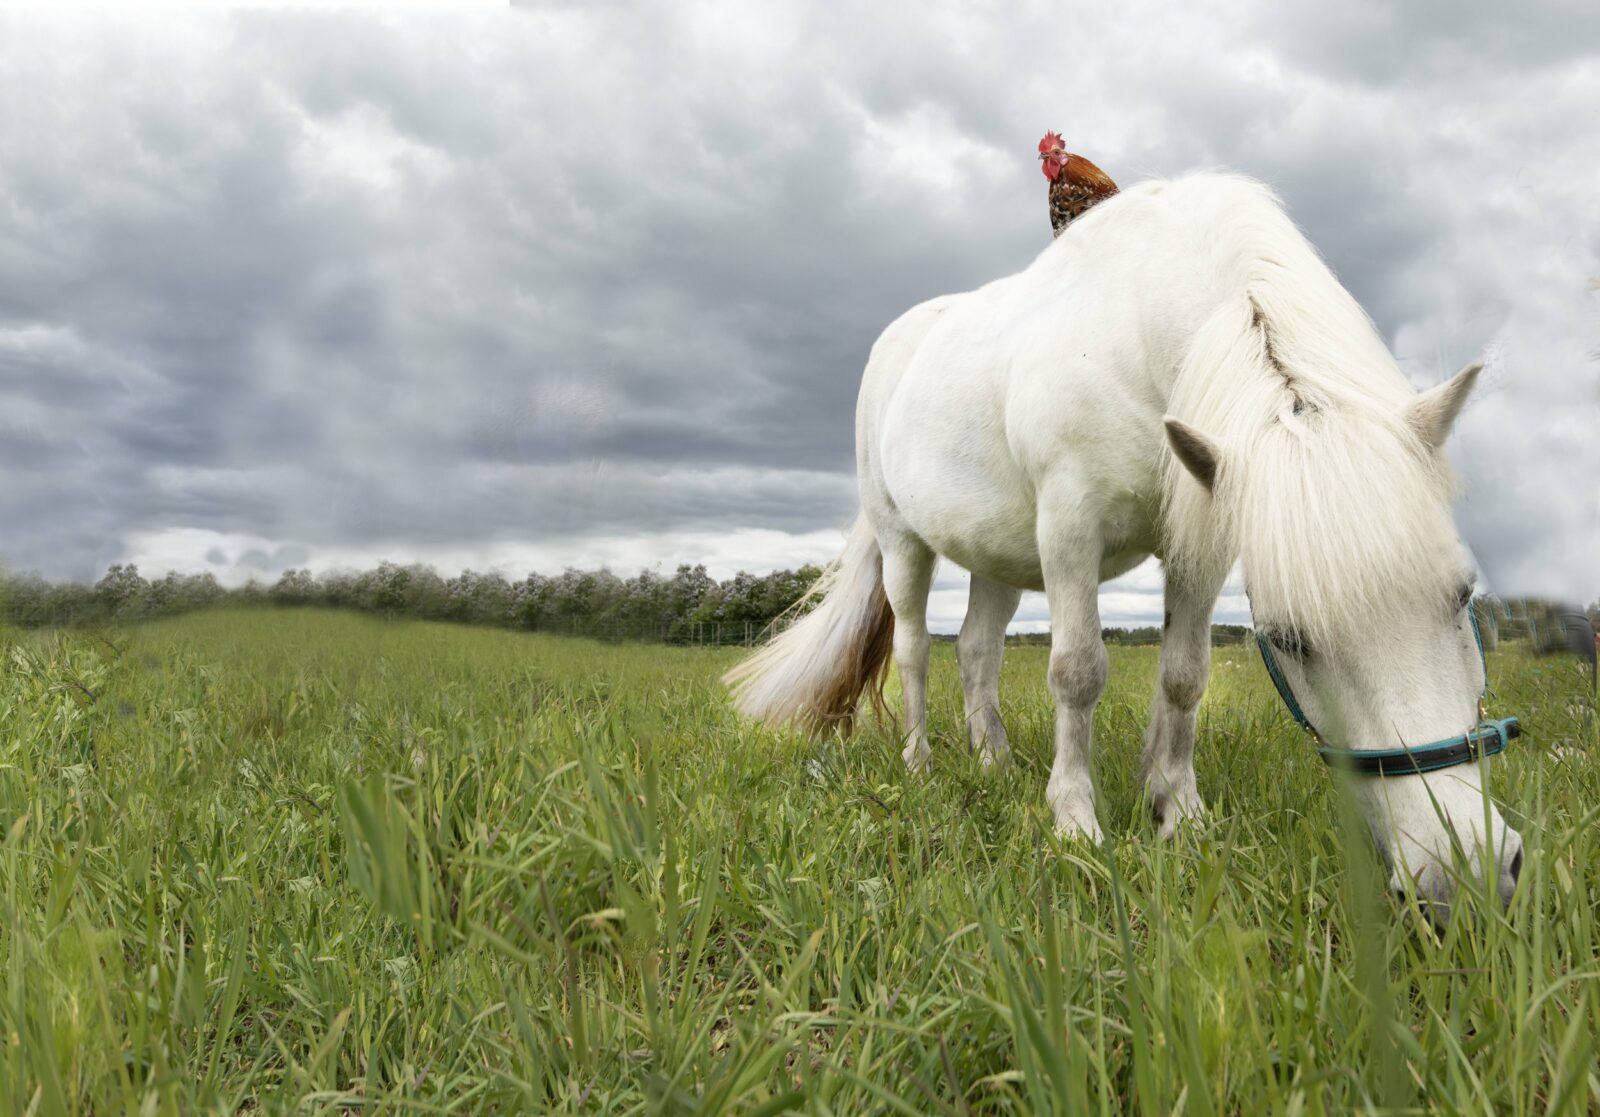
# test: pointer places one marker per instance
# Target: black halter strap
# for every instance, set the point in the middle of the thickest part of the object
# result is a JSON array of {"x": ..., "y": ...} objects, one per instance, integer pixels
[{"x": 1488, "y": 737}]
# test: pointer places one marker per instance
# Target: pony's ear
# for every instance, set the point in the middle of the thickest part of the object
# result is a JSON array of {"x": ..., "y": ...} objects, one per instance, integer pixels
[
  {"x": 1434, "y": 412},
  {"x": 1198, "y": 453}
]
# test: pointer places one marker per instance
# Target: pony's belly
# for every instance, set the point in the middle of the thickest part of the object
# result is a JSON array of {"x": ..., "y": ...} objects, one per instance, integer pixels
[
  {"x": 971, "y": 512},
  {"x": 1117, "y": 564},
  {"x": 1006, "y": 549},
  {"x": 1008, "y": 557},
  {"x": 978, "y": 509}
]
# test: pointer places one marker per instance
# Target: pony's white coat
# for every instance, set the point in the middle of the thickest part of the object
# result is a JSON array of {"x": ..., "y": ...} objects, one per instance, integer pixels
[{"x": 1018, "y": 430}]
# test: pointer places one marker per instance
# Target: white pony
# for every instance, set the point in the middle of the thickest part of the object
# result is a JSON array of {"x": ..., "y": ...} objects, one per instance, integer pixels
[{"x": 1178, "y": 375}]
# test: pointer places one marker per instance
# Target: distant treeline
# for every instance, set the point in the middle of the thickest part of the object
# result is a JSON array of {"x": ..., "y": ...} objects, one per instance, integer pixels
[
  {"x": 1548, "y": 625},
  {"x": 688, "y": 606}
]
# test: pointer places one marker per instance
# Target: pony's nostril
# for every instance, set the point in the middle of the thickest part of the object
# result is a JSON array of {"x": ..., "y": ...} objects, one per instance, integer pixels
[{"x": 1516, "y": 867}]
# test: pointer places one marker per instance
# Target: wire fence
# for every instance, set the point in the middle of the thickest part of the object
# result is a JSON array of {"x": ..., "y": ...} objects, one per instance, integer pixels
[{"x": 717, "y": 634}]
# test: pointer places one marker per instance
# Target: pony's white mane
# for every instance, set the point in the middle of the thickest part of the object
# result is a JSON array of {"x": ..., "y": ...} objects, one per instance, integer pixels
[{"x": 1335, "y": 508}]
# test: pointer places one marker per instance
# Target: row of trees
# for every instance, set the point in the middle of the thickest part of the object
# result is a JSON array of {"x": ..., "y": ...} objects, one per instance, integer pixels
[{"x": 686, "y": 606}]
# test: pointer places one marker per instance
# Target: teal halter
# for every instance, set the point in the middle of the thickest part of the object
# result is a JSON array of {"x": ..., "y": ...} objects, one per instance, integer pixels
[{"x": 1488, "y": 737}]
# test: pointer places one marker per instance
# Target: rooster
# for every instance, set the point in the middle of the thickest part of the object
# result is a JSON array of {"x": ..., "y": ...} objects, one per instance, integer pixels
[{"x": 1075, "y": 183}]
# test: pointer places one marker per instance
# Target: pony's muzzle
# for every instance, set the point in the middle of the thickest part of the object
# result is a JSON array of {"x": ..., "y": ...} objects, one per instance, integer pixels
[{"x": 1433, "y": 887}]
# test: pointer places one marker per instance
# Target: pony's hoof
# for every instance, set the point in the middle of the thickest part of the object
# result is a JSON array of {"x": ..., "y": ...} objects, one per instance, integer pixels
[
  {"x": 1075, "y": 831},
  {"x": 992, "y": 760},
  {"x": 918, "y": 757},
  {"x": 1173, "y": 811},
  {"x": 989, "y": 741},
  {"x": 1075, "y": 821}
]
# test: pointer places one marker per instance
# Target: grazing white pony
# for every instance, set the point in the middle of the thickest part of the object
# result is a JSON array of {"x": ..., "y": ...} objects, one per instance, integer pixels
[{"x": 1178, "y": 375}]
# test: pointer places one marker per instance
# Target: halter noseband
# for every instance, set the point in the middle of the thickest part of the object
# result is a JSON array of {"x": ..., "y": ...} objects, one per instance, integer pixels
[{"x": 1488, "y": 737}]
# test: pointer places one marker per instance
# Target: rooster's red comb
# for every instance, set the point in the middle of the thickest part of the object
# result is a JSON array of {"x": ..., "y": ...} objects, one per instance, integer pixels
[{"x": 1050, "y": 143}]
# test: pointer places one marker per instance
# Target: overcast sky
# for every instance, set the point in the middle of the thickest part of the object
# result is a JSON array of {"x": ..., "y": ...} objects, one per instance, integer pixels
[{"x": 523, "y": 287}]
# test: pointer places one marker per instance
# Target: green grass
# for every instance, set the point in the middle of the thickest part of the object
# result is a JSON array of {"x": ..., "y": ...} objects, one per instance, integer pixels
[{"x": 308, "y": 862}]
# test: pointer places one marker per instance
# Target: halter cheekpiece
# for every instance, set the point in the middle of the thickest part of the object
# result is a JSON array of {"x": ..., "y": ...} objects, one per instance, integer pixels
[{"x": 1488, "y": 737}]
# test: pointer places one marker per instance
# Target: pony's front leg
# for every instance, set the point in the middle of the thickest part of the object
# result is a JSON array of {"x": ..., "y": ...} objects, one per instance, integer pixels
[
  {"x": 907, "y": 576},
  {"x": 1169, "y": 742},
  {"x": 979, "y": 650},
  {"x": 1078, "y": 668}
]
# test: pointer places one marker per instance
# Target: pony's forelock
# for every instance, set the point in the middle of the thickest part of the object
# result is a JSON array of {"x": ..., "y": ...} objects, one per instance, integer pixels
[{"x": 1342, "y": 524}]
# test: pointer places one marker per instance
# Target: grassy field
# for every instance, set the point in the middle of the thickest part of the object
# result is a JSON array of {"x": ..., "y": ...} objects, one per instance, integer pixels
[{"x": 306, "y": 862}]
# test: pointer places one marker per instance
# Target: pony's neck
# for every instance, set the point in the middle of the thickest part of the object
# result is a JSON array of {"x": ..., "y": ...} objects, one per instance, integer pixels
[{"x": 1323, "y": 488}]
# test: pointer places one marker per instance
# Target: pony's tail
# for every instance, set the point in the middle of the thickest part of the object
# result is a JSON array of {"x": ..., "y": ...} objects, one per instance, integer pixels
[{"x": 811, "y": 675}]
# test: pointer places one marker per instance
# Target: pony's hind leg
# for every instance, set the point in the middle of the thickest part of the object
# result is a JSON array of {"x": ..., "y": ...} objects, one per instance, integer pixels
[
  {"x": 979, "y": 649},
  {"x": 907, "y": 576},
  {"x": 1070, "y": 555},
  {"x": 1169, "y": 742}
]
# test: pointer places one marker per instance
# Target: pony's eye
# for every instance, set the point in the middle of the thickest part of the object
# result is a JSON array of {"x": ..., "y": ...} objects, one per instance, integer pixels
[
  {"x": 1290, "y": 642},
  {"x": 1464, "y": 598}
]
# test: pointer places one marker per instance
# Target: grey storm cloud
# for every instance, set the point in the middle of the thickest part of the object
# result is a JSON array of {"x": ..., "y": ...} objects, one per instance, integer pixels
[{"x": 281, "y": 286}]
